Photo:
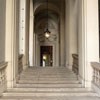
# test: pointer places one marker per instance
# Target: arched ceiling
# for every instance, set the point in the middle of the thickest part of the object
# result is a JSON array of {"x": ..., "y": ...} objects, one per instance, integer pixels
[
  {"x": 42, "y": 6},
  {"x": 56, "y": 2},
  {"x": 43, "y": 15},
  {"x": 40, "y": 14},
  {"x": 54, "y": 5}
]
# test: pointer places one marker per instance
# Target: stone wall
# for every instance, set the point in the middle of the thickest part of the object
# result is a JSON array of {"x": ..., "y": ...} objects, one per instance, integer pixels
[{"x": 2, "y": 29}]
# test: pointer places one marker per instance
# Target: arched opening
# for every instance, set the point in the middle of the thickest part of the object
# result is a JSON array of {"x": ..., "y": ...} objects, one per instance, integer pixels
[
  {"x": 46, "y": 58},
  {"x": 40, "y": 23}
]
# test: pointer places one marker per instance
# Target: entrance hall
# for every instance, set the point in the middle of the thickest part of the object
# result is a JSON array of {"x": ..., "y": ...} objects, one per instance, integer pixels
[{"x": 49, "y": 50}]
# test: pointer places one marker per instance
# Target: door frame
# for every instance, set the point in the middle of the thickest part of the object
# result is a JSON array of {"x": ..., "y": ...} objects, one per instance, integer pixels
[{"x": 53, "y": 52}]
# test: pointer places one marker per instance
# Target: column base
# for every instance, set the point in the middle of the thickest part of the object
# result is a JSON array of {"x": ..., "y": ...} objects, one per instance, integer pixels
[
  {"x": 85, "y": 83},
  {"x": 10, "y": 83}
]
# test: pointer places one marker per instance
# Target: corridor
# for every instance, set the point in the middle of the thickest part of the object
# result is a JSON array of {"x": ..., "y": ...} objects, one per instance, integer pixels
[
  {"x": 49, "y": 50},
  {"x": 49, "y": 83}
]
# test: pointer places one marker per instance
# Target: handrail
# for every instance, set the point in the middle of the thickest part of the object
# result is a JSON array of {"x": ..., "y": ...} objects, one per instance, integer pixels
[
  {"x": 75, "y": 56},
  {"x": 20, "y": 56},
  {"x": 3, "y": 65},
  {"x": 96, "y": 65}
]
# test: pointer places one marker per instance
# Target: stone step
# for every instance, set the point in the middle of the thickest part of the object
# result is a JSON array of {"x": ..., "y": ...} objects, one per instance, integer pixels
[
  {"x": 49, "y": 81},
  {"x": 49, "y": 70},
  {"x": 50, "y": 98},
  {"x": 54, "y": 75},
  {"x": 47, "y": 77},
  {"x": 46, "y": 94},
  {"x": 40, "y": 77},
  {"x": 49, "y": 85},
  {"x": 50, "y": 90},
  {"x": 47, "y": 73},
  {"x": 50, "y": 75}
]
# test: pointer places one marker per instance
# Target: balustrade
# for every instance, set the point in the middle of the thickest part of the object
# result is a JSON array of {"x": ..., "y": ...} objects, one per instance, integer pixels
[
  {"x": 20, "y": 63},
  {"x": 3, "y": 80},
  {"x": 75, "y": 66},
  {"x": 96, "y": 73}
]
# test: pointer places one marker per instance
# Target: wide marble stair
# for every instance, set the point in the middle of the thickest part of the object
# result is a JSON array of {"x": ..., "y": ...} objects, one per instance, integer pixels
[{"x": 49, "y": 83}]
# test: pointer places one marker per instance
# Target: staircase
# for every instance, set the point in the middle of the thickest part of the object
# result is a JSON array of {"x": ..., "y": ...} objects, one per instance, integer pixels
[{"x": 48, "y": 84}]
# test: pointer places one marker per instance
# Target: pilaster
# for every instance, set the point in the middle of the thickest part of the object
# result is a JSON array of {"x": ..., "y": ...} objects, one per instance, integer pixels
[
  {"x": 88, "y": 39},
  {"x": 10, "y": 44},
  {"x": 62, "y": 35},
  {"x": 32, "y": 58}
]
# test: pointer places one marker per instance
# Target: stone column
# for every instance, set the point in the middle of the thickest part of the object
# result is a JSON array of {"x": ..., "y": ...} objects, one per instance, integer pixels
[
  {"x": 22, "y": 27},
  {"x": 88, "y": 39},
  {"x": 34, "y": 49},
  {"x": 24, "y": 31},
  {"x": 67, "y": 18},
  {"x": 71, "y": 31},
  {"x": 27, "y": 17},
  {"x": 31, "y": 36},
  {"x": 62, "y": 35},
  {"x": 17, "y": 37},
  {"x": 11, "y": 42},
  {"x": 2, "y": 29},
  {"x": 37, "y": 52}
]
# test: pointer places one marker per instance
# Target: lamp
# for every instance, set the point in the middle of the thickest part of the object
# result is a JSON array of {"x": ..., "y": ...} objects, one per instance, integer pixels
[{"x": 47, "y": 32}]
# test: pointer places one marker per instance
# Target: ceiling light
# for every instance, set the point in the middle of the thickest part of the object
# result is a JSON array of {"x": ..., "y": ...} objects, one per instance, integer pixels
[{"x": 47, "y": 32}]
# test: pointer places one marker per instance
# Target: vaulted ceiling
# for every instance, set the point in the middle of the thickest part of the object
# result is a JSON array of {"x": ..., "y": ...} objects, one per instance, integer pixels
[
  {"x": 40, "y": 13},
  {"x": 56, "y": 2}
]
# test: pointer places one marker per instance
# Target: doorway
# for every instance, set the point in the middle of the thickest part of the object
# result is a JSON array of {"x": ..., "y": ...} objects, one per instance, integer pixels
[{"x": 46, "y": 56}]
